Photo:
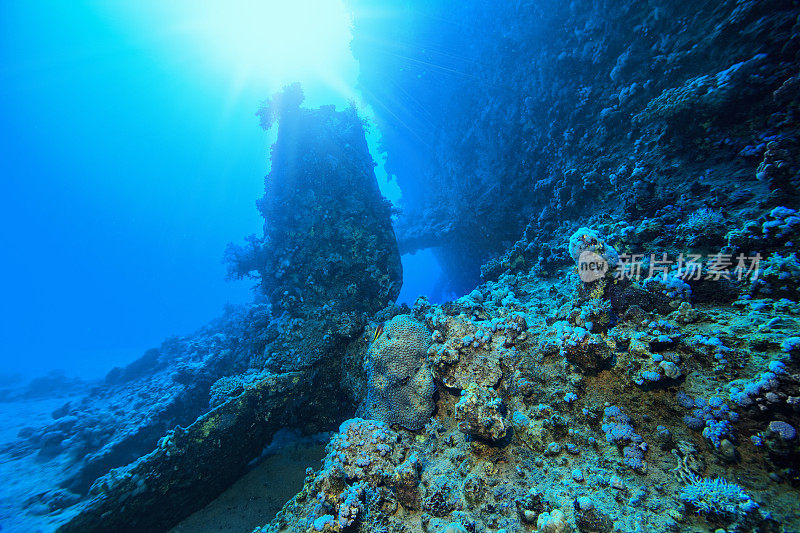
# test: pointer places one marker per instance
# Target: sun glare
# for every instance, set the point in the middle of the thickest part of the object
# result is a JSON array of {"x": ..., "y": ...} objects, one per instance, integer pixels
[
  {"x": 263, "y": 44},
  {"x": 276, "y": 40}
]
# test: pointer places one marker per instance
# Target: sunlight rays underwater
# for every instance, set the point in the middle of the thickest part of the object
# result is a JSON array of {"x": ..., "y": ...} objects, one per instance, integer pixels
[{"x": 253, "y": 46}]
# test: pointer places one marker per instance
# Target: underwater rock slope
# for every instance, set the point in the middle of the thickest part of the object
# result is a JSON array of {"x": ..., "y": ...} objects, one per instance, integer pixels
[
  {"x": 502, "y": 115},
  {"x": 614, "y": 404}
]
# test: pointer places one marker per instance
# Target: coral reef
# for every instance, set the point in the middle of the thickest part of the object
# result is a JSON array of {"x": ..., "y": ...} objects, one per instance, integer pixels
[
  {"x": 656, "y": 459},
  {"x": 718, "y": 498},
  {"x": 640, "y": 112},
  {"x": 623, "y": 175},
  {"x": 366, "y": 462},
  {"x": 332, "y": 245}
]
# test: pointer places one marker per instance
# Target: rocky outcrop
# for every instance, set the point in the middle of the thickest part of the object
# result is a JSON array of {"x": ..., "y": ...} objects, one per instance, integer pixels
[
  {"x": 328, "y": 240},
  {"x": 190, "y": 466},
  {"x": 163, "y": 436},
  {"x": 328, "y": 258}
]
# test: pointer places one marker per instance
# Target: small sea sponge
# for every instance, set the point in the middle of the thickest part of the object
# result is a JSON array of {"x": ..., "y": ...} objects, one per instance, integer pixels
[
  {"x": 405, "y": 482},
  {"x": 399, "y": 379},
  {"x": 553, "y": 522},
  {"x": 618, "y": 429},
  {"x": 577, "y": 345},
  {"x": 586, "y": 240},
  {"x": 231, "y": 386},
  {"x": 594, "y": 257}
]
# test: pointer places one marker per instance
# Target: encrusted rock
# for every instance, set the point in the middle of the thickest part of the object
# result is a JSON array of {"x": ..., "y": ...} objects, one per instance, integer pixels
[
  {"x": 479, "y": 413},
  {"x": 405, "y": 482},
  {"x": 467, "y": 351}
]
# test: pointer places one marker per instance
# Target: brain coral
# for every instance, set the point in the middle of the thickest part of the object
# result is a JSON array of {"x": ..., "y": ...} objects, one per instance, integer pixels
[{"x": 399, "y": 381}]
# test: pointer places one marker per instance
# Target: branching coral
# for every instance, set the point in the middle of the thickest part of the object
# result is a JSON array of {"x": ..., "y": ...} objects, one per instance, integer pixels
[{"x": 718, "y": 497}]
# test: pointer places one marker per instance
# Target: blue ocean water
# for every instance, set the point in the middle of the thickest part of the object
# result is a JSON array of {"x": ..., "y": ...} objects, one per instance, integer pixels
[
  {"x": 119, "y": 173},
  {"x": 129, "y": 163}
]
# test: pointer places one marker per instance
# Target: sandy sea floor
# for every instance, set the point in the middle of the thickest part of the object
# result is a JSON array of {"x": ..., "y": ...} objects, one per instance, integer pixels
[
  {"x": 26, "y": 476},
  {"x": 259, "y": 495}
]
